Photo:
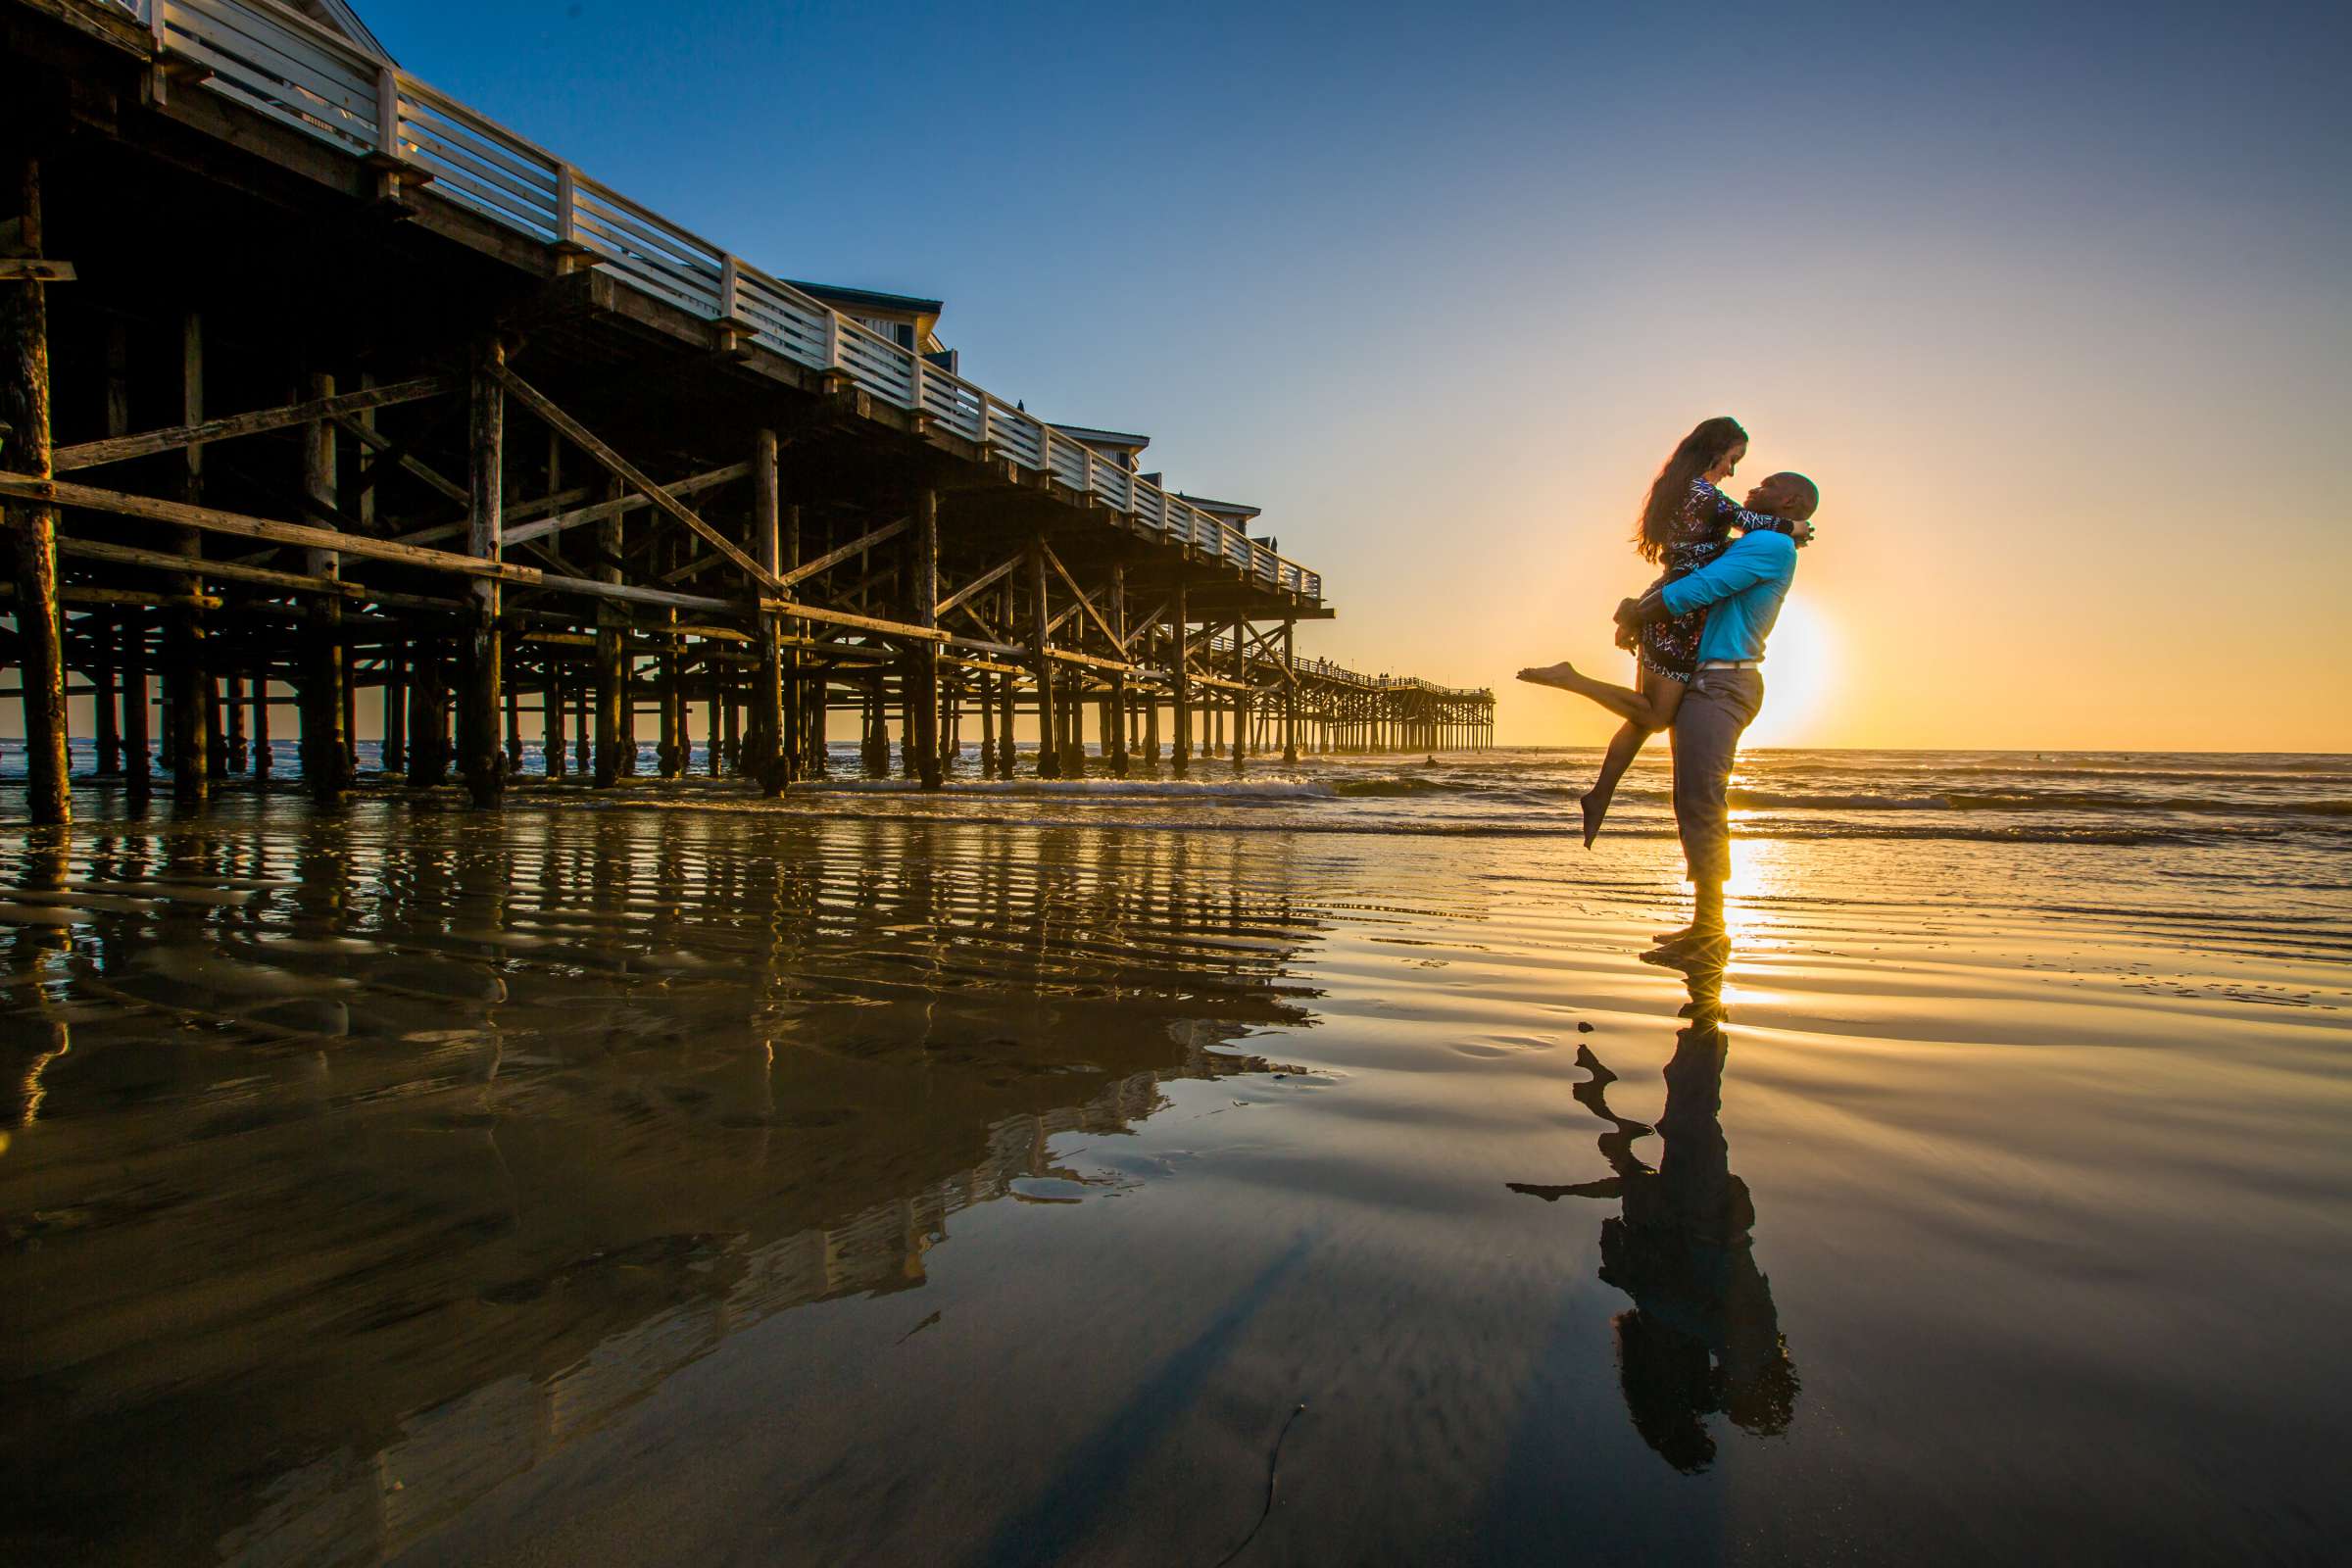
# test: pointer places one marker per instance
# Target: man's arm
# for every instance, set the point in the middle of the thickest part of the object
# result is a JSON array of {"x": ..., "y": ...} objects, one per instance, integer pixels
[
  {"x": 1730, "y": 513},
  {"x": 1752, "y": 558}
]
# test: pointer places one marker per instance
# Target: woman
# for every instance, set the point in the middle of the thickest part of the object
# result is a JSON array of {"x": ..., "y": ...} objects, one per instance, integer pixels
[{"x": 1686, "y": 523}]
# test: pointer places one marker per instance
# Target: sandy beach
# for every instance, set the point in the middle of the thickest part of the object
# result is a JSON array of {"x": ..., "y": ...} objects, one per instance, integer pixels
[{"x": 1309, "y": 1174}]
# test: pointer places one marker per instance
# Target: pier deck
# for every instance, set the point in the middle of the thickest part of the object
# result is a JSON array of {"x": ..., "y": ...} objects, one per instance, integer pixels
[{"x": 316, "y": 381}]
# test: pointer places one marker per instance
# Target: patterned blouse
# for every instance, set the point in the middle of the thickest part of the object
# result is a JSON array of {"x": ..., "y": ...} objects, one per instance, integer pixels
[{"x": 1670, "y": 648}]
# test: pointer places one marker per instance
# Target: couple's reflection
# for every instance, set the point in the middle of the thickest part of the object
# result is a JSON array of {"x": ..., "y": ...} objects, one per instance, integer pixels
[{"x": 1702, "y": 1338}]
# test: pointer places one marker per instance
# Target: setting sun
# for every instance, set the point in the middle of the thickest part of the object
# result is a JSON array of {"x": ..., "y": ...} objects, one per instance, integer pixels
[{"x": 1801, "y": 674}]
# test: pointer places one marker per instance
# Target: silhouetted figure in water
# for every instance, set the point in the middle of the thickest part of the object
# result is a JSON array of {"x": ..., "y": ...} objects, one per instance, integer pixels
[{"x": 1702, "y": 1338}]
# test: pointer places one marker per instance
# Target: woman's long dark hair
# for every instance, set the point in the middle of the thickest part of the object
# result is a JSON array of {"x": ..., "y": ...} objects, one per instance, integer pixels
[{"x": 1670, "y": 491}]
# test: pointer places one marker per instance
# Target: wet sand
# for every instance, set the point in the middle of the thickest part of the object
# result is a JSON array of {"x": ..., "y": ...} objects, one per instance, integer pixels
[{"x": 645, "y": 1187}]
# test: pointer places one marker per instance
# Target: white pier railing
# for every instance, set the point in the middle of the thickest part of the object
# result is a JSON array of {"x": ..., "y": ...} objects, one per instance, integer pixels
[{"x": 281, "y": 65}]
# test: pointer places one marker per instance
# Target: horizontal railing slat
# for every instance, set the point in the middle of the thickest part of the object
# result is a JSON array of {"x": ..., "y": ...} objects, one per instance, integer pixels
[
  {"x": 276, "y": 108},
  {"x": 652, "y": 238},
  {"x": 279, "y": 53},
  {"x": 462, "y": 141}
]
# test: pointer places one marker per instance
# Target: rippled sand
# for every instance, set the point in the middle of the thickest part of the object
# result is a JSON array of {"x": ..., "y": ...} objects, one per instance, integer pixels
[{"x": 648, "y": 1186}]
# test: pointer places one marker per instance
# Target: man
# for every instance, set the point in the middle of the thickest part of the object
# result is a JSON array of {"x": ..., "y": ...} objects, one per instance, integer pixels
[{"x": 1740, "y": 591}]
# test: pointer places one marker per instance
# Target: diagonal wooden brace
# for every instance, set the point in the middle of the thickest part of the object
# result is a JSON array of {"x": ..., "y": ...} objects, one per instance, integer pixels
[
  {"x": 834, "y": 557},
  {"x": 116, "y": 448},
  {"x": 580, "y": 435},
  {"x": 986, "y": 579},
  {"x": 1078, "y": 593}
]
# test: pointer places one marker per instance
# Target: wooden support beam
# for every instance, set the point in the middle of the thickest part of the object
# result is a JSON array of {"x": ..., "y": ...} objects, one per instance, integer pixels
[
  {"x": 394, "y": 753},
  {"x": 580, "y": 436},
  {"x": 212, "y": 520},
  {"x": 1143, "y": 625},
  {"x": 135, "y": 757},
  {"x": 988, "y": 706},
  {"x": 843, "y": 617},
  {"x": 765, "y": 758},
  {"x": 632, "y": 594},
  {"x": 1114, "y": 713},
  {"x": 322, "y": 738},
  {"x": 480, "y": 761},
  {"x": 397, "y": 455},
  {"x": 922, "y": 669},
  {"x": 861, "y": 593},
  {"x": 982, "y": 645},
  {"x": 107, "y": 598},
  {"x": 1241, "y": 694},
  {"x": 184, "y": 661},
  {"x": 834, "y": 557},
  {"x": 33, "y": 523},
  {"x": 1048, "y": 760},
  {"x": 598, "y": 513},
  {"x": 986, "y": 579},
  {"x": 128, "y": 630},
  {"x": 199, "y": 433},
  {"x": 1066, "y": 655},
  {"x": 1181, "y": 753},
  {"x": 1101, "y": 623},
  {"x": 612, "y": 723},
  {"x": 802, "y": 743}
]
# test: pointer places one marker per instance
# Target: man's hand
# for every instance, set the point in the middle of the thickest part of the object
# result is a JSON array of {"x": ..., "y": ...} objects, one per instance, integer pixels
[
  {"x": 1801, "y": 531},
  {"x": 1633, "y": 613}
]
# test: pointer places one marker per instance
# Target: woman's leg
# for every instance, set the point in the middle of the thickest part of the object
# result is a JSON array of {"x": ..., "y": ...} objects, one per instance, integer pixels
[
  {"x": 1664, "y": 695},
  {"x": 1634, "y": 707}
]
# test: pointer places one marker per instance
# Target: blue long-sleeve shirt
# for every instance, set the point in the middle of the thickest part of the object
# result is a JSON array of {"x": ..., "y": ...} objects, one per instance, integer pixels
[{"x": 1740, "y": 590}]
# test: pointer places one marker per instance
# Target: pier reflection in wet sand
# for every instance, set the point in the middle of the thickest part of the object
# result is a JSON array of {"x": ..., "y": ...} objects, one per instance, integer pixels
[{"x": 416, "y": 1146}]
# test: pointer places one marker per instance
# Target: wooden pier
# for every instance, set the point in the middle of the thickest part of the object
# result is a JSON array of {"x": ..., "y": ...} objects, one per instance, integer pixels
[{"x": 319, "y": 389}]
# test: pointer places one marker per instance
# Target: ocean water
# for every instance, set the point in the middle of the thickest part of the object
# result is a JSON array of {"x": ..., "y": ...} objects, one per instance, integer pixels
[
  {"x": 1297, "y": 1169},
  {"x": 2293, "y": 802}
]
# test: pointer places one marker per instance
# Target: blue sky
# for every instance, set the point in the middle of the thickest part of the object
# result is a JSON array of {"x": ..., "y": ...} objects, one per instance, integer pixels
[{"x": 2053, "y": 298}]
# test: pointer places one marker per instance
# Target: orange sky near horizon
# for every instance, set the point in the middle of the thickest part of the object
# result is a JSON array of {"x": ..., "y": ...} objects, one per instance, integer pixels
[
  {"x": 2053, "y": 304},
  {"x": 2058, "y": 511}
]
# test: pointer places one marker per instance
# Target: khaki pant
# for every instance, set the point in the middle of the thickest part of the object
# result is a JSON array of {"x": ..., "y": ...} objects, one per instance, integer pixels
[{"x": 1718, "y": 707}]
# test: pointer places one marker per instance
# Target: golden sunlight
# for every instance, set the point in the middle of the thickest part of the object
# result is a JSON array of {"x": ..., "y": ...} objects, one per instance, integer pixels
[{"x": 1800, "y": 675}]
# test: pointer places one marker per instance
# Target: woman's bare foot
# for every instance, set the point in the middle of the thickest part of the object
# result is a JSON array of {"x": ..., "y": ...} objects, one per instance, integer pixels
[
  {"x": 1561, "y": 675},
  {"x": 1596, "y": 806}
]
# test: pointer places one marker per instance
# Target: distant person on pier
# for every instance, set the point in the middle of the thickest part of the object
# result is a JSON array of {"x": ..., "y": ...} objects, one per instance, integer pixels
[{"x": 1686, "y": 523}]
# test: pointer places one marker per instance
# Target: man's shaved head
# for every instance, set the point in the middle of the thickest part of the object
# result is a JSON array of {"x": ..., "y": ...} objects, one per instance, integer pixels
[{"x": 1789, "y": 495}]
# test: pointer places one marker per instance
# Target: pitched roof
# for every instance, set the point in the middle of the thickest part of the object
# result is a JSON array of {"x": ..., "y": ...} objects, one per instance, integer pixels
[
  {"x": 869, "y": 299},
  {"x": 344, "y": 20},
  {"x": 1093, "y": 437},
  {"x": 1223, "y": 509}
]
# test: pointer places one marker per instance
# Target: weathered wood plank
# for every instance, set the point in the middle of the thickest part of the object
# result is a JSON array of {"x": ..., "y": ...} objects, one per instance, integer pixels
[
  {"x": 842, "y": 618},
  {"x": 231, "y": 572},
  {"x": 212, "y": 520},
  {"x": 32, "y": 525},
  {"x": 834, "y": 557},
  {"x": 603, "y": 509},
  {"x": 118, "y": 449},
  {"x": 985, "y": 580}
]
